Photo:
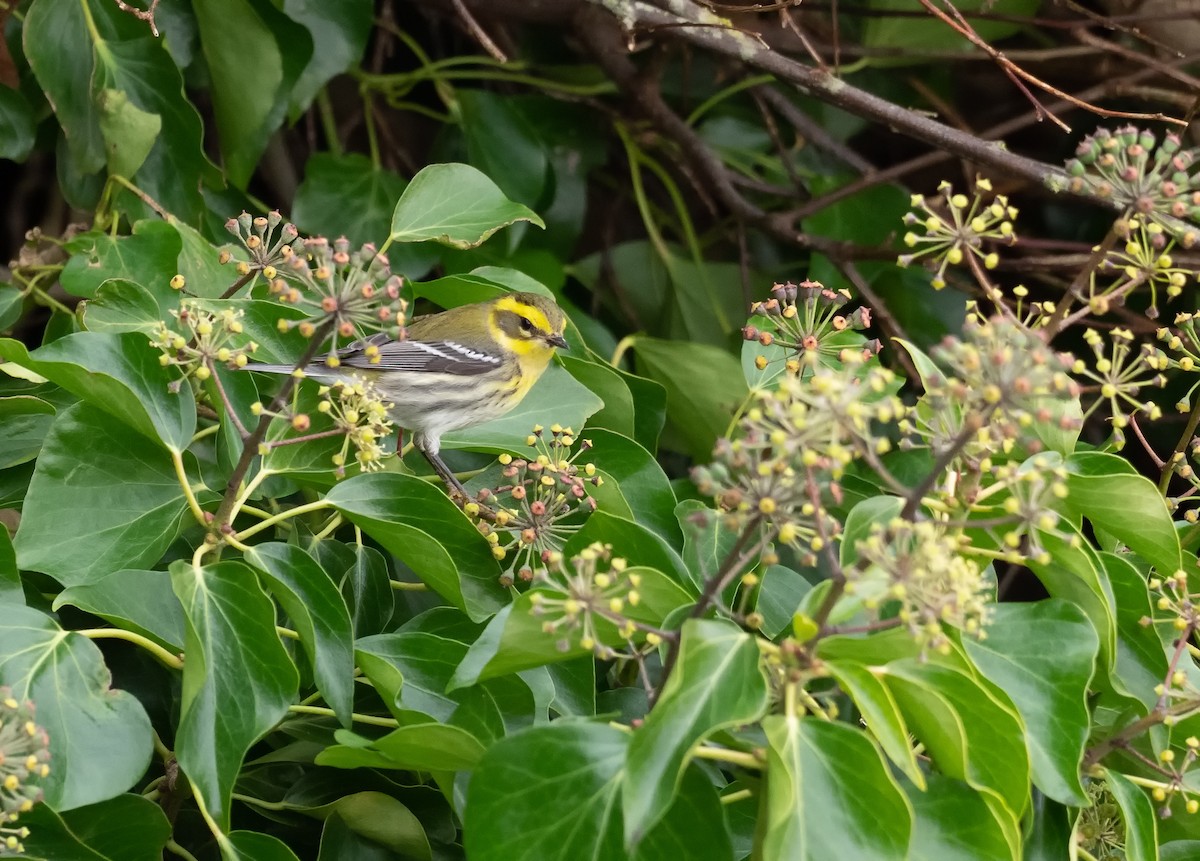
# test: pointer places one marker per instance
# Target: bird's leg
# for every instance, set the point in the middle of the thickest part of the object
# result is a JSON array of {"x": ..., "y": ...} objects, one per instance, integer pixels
[{"x": 446, "y": 475}]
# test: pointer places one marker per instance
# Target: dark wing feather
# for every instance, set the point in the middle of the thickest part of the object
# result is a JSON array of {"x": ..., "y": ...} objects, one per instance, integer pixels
[{"x": 437, "y": 357}]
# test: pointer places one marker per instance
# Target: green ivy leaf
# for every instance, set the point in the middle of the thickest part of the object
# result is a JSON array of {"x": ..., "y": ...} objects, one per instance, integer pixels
[
  {"x": 514, "y": 639},
  {"x": 339, "y": 34},
  {"x": 121, "y": 375},
  {"x": 254, "y": 846},
  {"x": 1042, "y": 656},
  {"x": 16, "y": 126},
  {"x": 1141, "y": 660},
  {"x": 632, "y": 542},
  {"x": 149, "y": 257},
  {"x": 880, "y": 712},
  {"x": 697, "y": 413},
  {"x": 504, "y": 145},
  {"x": 100, "y": 738},
  {"x": 716, "y": 683},
  {"x": 417, "y": 747},
  {"x": 1141, "y": 824},
  {"x": 378, "y": 819},
  {"x": 455, "y": 205},
  {"x": 121, "y": 305},
  {"x": 26, "y": 421},
  {"x": 953, "y": 821},
  {"x": 417, "y": 522},
  {"x": 133, "y": 600},
  {"x": 829, "y": 795},
  {"x": 969, "y": 734},
  {"x": 237, "y": 680},
  {"x": 316, "y": 609},
  {"x": 11, "y": 591},
  {"x": 1104, "y": 488},
  {"x": 642, "y": 482},
  {"x": 125, "y": 828},
  {"x": 119, "y": 494}
]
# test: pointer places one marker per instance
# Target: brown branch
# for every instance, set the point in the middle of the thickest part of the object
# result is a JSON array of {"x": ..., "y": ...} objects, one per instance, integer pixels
[{"x": 146, "y": 15}]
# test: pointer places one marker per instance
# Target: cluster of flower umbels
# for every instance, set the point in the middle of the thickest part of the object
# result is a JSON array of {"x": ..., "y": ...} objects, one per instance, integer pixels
[
  {"x": 792, "y": 446},
  {"x": 957, "y": 228},
  {"x": 587, "y": 600},
  {"x": 1147, "y": 177},
  {"x": 924, "y": 568},
  {"x": 345, "y": 293},
  {"x": 202, "y": 340},
  {"x": 801, "y": 323},
  {"x": 539, "y": 504},
  {"x": 358, "y": 413},
  {"x": 1001, "y": 379},
  {"x": 24, "y": 760}
]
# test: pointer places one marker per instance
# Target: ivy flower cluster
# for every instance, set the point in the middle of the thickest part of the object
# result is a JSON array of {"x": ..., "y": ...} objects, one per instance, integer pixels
[
  {"x": 359, "y": 415},
  {"x": 923, "y": 568},
  {"x": 542, "y": 502},
  {"x": 346, "y": 294},
  {"x": 1147, "y": 177},
  {"x": 24, "y": 761},
  {"x": 1120, "y": 372},
  {"x": 351, "y": 292},
  {"x": 587, "y": 601},
  {"x": 1000, "y": 378},
  {"x": 957, "y": 226},
  {"x": 803, "y": 319},
  {"x": 201, "y": 340},
  {"x": 792, "y": 446},
  {"x": 1145, "y": 259},
  {"x": 266, "y": 240}
]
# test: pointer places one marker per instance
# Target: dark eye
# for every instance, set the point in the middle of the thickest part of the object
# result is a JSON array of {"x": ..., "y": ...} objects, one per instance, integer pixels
[{"x": 526, "y": 325}]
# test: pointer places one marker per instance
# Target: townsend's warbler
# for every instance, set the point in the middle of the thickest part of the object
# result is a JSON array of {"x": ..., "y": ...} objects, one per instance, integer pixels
[{"x": 455, "y": 369}]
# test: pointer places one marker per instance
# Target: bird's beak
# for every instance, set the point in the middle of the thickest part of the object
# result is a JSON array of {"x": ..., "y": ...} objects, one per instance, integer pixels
[{"x": 557, "y": 341}]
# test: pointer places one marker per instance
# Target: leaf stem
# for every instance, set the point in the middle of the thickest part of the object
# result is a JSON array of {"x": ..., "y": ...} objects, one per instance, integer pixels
[
  {"x": 175, "y": 849},
  {"x": 181, "y": 474},
  {"x": 307, "y": 507},
  {"x": 734, "y": 757},
  {"x": 391, "y": 723},
  {"x": 174, "y": 662}
]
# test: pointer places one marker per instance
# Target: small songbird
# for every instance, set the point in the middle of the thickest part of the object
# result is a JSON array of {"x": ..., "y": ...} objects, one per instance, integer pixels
[{"x": 455, "y": 369}]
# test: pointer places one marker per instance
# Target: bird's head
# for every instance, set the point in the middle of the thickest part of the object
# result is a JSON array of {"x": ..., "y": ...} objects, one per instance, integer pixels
[{"x": 528, "y": 324}]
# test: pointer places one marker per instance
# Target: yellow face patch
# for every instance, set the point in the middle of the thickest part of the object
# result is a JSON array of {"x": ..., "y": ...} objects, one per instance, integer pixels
[{"x": 532, "y": 313}]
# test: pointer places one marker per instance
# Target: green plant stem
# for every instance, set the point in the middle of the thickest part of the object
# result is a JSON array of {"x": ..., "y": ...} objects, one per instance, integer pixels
[
  {"x": 226, "y": 509},
  {"x": 734, "y": 757},
  {"x": 286, "y": 633},
  {"x": 258, "y": 802},
  {"x": 181, "y": 475},
  {"x": 971, "y": 426},
  {"x": 1189, "y": 431},
  {"x": 307, "y": 507},
  {"x": 401, "y": 586},
  {"x": 175, "y": 849},
  {"x": 165, "y": 657},
  {"x": 357, "y": 718},
  {"x": 735, "y": 797},
  {"x": 328, "y": 121}
]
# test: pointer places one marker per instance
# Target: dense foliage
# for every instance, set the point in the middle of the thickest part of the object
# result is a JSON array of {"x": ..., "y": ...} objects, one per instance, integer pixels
[{"x": 843, "y": 529}]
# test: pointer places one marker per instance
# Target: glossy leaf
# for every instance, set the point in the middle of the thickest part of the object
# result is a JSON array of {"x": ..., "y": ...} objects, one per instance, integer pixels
[
  {"x": 121, "y": 375},
  {"x": 16, "y": 126},
  {"x": 733, "y": 691},
  {"x": 10, "y": 578},
  {"x": 954, "y": 823},
  {"x": 697, "y": 414},
  {"x": 1104, "y": 488},
  {"x": 880, "y": 714},
  {"x": 237, "y": 678},
  {"x": 379, "y": 821},
  {"x": 417, "y": 522},
  {"x": 455, "y": 205},
  {"x": 1141, "y": 825},
  {"x": 416, "y": 747},
  {"x": 967, "y": 733},
  {"x": 25, "y": 420},
  {"x": 134, "y": 600},
  {"x": 514, "y": 639},
  {"x": 119, "y": 493},
  {"x": 125, "y": 828},
  {"x": 100, "y": 738},
  {"x": 316, "y": 609},
  {"x": 829, "y": 795},
  {"x": 1042, "y": 656},
  {"x": 642, "y": 481}
]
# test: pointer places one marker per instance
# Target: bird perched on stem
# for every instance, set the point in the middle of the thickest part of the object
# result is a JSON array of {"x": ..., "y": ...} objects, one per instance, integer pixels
[{"x": 455, "y": 369}]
